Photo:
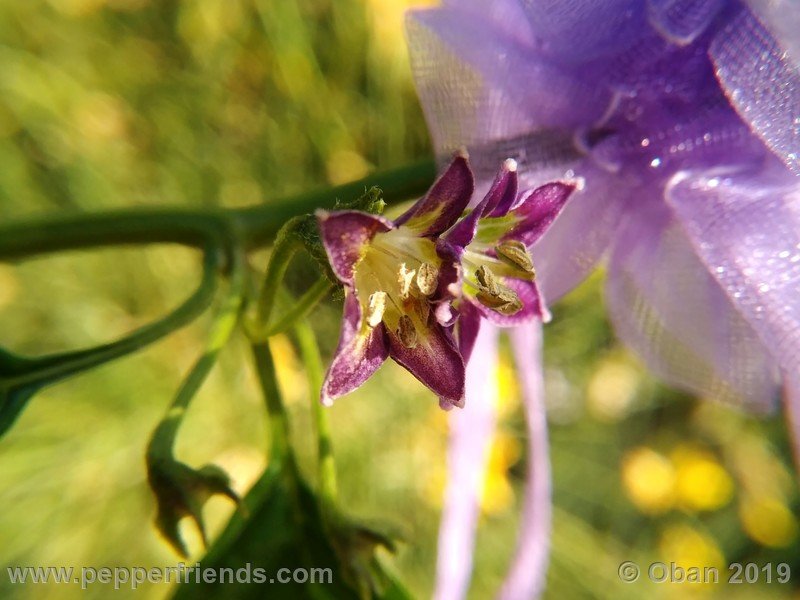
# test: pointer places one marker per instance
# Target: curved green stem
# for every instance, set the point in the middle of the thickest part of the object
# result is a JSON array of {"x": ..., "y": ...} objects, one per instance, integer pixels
[
  {"x": 259, "y": 224},
  {"x": 163, "y": 438},
  {"x": 282, "y": 251},
  {"x": 253, "y": 227},
  {"x": 302, "y": 306},
  {"x": 278, "y": 419},
  {"x": 309, "y": 352},
  {"x": 21, "y": 377}
]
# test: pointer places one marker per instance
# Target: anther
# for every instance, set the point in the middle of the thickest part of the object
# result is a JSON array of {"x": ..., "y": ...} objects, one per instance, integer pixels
[
  {"x": 376, "y": 308},
  {"x": 495, "y": 295},
  {"x": 486, "y": 280},
  {"x": 406, "y": 332},
  {"x": 515, "y": 254},
  {"x": 427, "y": 278},
  {"x": 405, "y": 278},
  {"x": 505, "y": 301}
]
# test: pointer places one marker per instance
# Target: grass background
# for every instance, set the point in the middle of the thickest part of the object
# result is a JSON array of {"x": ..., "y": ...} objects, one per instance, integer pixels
[{"x": 118, "y": 103}]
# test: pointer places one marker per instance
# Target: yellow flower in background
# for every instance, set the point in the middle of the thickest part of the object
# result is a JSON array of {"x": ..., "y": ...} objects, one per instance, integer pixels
[
  {"x": 291, "y": 379},
  {"x": 687, "y": 547},
  {"x": 768, "y": 521},
  {"x": 649, "y": 479},
  {"x": 498, "y": 494},
  {"x": 702, "y": 483},
  {"x": 612, "y": 389},
  {"x": 507, "y": 387}
]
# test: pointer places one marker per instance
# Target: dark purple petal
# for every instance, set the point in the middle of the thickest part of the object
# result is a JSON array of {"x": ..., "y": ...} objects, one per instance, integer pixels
[
  {"x": 469, "y": 324},
  {"x": 345, "y": 235},
  {"x": 435, "y": 361},
  {"x": 503, "y": 193},
  {"x": 537, "y": 210},
  {"x": 497, "y": 202},
  {"x": 361, "y": 351},
  {"x": 471, "y": 432},
  {"x": 532, "y": 302},
  {"x": 444, "y": 203},
  {"x": 449, "y": 287},
  {"x": 526, "y": 578}
]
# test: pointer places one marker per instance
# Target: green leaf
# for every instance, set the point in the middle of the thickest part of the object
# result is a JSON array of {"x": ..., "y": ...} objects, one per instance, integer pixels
[{"x": 284, "y": 529}]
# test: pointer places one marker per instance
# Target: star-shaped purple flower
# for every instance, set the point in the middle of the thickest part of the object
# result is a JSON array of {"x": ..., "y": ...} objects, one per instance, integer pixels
[
  {"x": 399, "y": 286},
  {"x": 493, "y": 245}
]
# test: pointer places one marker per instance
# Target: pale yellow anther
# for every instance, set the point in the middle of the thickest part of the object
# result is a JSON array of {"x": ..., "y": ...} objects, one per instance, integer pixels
[
  {"x": 376, "y": 308},
  {"x": 486, "y": 280},
  {"x": 515, "y": 254},
  {"x": 405, "y": 277},
  {"x": 495, "y": 295},
  {"x": 427, "y": 278},
  {"x": 406, "y": 332}
]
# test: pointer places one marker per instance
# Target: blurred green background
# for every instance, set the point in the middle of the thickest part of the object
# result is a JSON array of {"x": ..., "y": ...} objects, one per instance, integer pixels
[{"x": 118, "y": 103}]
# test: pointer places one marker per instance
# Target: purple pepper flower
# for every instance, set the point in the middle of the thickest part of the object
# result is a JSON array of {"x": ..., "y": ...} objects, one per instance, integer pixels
[
  {"x": 683, "y": 119},
  {"x": 396, "y": 283},
  {"x": 491, "y": 244}
]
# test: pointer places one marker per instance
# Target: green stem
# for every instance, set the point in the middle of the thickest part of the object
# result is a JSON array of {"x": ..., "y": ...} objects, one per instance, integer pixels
[
  {"x": 302, "y": 306},
  {"x": 309, "y": 352},
  {"x": 282, "y": 251},
  {"x": 49, "y": 369},
  {"x": 254, "y": 226},
  {"x": 163, "y": 438},
  {"x": 278, "y": 419}
]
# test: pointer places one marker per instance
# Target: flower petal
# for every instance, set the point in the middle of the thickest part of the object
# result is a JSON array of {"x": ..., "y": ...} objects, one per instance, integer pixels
[
  {"x": 444, "y": 203},
  {"x": 471, "y": 433},
  {"x": 526, "y": 578},
  {"x": 537, "y": 209},
  {"x": 501, "y": 195},
  {"x": 345, "y": 234},
  {"x": 435, "y": 361},
  {"x": 469, "y": 324},
  {"x": 361, "y": 351},
  {"x": 449, "y": 287}
]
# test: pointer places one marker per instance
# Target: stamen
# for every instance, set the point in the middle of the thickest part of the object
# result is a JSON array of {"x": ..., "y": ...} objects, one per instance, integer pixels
[
  {"x": 495, "y": 295},
  {"x": 427, "y": 278},
  {"x": 486, "y": 280},
  {"x": 376, "y": 308},
  {"x": 406, "y": 332},
  {"x": 405, "y": 278},
  {"x": 422, "y": 309},
  {"x": 515, "y": 254}
]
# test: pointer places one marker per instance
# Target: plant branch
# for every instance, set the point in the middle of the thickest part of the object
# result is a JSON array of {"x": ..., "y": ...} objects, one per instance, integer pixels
[
  {"x": 254, "y": 226},
  {"x": 326, "y": 465}
]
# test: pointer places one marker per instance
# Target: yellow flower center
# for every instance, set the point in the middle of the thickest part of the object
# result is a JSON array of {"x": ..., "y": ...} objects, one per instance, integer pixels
[{"x": 394, "y": 279}]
